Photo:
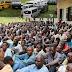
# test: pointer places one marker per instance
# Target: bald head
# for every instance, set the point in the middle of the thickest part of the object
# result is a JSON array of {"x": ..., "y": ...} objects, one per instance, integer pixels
[
  {"x": 52, "y": 38},
  {"x": 40, "y": 57},
  {"x": 39, "y": 60}
]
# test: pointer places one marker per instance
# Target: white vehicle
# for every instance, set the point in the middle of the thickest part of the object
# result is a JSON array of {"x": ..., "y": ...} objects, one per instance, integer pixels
[
  {"x": 44, "y": 1},
  {"x": 33, "y": 2},
  {"x": 39, "y": 4},
  {"x": 16, "y": 3},
  {"x": 23, "y": 7},
  {"x": 31, "y": 12}
]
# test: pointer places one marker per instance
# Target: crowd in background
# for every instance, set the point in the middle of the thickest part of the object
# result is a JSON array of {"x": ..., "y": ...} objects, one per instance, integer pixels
[{"x": 36, "y": 46}]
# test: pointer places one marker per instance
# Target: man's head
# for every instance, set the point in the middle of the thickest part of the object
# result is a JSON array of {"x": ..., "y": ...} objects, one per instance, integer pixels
[
  {"x": 23, "y": 36},
  {"x": 56, "y": 43},
  {"x": 52, "y": 38},
  {"x": 55, "y": 31},
  {"x": 15, "y": 42},
  {"x": 39, "y": 60},
  {"x": 3, "y": 35},
  {"x": 27, "y": 37},
  {"x": 69, "y": 57},
  {"x": 69, "y": 67},
  {"x": 39, "y": 47},
  {"x": 30, "y": 50},
  {"x": 8, "y": 60},
  {"x": 4, "y": 46},
  {"x": 52, "y": 50},
  {"x": 59, "y": 49},
  {"x": 63, "y": 43},
  {"x": 1, "y": 65},
  {"x": 23, "y": 42},
  {"x": 11, "y": 37},
  {"x": 61, "y": 32},
  {"x": 39, "y": 40}
]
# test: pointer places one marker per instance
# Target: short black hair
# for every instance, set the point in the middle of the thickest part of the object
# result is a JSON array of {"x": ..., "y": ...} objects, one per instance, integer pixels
[
  {"x": 23, "y": 40},
  {"x": 16, "y": 40},
  {"x": 6, "y": 43},
  {"x": 40, "y": 45},
  {"x": 7, "y": 59}
]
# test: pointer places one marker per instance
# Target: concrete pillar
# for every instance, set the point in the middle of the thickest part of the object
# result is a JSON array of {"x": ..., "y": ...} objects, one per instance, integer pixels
[{"x": 64, "y": 17}]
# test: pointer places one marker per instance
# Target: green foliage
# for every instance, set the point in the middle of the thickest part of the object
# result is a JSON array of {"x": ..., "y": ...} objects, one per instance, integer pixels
[
  {"x": 10, "y": 12},
  {"x": 6, "y": 20},
  {"x": 23, "y": 1}
]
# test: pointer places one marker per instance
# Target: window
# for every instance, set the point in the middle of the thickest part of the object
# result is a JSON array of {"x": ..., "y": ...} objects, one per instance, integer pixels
[
  {"x": 69, "y": 14},
  {"x": 7, "y": 1},
  {"x": 61, "y": 13},
  {"x": 29, "y": 3},
  {"x": 30, "y": 6},
  {"x": 34, "y": 10},
  {"x": 27, "y": 12},
  {"x": 25, "y": 7},
  {"x": 71, "y": 11}
]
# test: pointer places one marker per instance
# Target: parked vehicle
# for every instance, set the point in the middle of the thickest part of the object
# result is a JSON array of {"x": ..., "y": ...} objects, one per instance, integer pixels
[
  {"x": 5, "y": 4},
  {"x": 23, "y": 7},
  {"x": 31, "y": 12},
  {"x": 16, "y": 4},
  {"x": 39, "y": 4}
]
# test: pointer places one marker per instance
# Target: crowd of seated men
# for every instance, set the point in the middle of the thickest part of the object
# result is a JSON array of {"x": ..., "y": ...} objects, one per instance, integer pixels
[{"x": 36, "y": 46}]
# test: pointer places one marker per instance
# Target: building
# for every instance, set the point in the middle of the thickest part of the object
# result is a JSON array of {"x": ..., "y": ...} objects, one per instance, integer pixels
[{"x": 64, "y": 11}]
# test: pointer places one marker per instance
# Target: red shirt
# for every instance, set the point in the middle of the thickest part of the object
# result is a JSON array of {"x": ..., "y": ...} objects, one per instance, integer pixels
[
  {"x": 59, "y": 21},
  {"x": 67, "y": 47}
]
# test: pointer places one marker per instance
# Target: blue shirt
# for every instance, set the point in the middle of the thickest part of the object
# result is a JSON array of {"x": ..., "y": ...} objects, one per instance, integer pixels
[
  {"x": 25, "y": 59},
  {"x": 10, "y": 45},
  {"x": 8, "y": 52},
  {"x": 2, "y": 39},
  {"x": 69, "y": 43},
  {"x": 33, "y": 68},
  {"x": 17, "y": 65}
]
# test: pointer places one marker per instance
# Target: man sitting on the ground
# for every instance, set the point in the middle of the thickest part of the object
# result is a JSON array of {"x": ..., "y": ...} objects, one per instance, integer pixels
[
  {"x": 66, "y": 62},
  {"x": 39, "y": 50},
  {"x": 37, "y": 67},
  {"x": 69, "y": 67},
  {"x": 68, "y": 59},
  {"x": 59, "y": 49},
  {"x": 5, "y": 51},
  {"x": 27, "y": 58},
  {"x": 5, "y": 68},
  {"x": 53, "y": 59},
  {"x": 14, "y": 64}
]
